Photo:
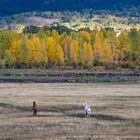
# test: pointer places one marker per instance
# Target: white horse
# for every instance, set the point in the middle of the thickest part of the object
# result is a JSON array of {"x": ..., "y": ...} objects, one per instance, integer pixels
[{"x": 87, "y": 110}]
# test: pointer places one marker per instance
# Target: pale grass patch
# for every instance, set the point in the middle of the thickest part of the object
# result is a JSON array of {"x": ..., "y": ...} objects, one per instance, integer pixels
[{"x": 115, "y": 112}]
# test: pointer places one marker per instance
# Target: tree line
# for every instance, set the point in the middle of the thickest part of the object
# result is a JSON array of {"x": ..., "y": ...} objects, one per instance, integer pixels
[{"x": 81, "y": 49}]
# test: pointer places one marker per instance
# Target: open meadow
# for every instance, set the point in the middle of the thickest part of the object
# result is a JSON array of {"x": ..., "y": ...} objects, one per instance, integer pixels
[{"x": 115, "y": 111}]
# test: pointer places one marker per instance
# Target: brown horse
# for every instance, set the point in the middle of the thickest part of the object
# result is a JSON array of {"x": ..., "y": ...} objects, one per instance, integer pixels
[{"x": 35, "y": 109}]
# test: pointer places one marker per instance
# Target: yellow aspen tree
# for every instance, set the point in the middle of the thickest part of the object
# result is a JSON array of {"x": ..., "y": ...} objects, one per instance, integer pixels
[
  {"x": 43, "y": 54},
  {"x": 74, "y": 52},
  {"x": 66, "y": 48},
  {"x": 51, "y": 50},
  {"x": 9, "y": 60},
  {"x": 60, "y": 55},
  {"x": 114, "y": 44},
  {"x": 85, "y": 36},
  {"x": 80, "y": 56},
  {"x": 15, "y": 49},
  {"x": 124, "y": 46},
  {"x": 34, "y": 50},
  {"x": 55, "y": 35},
  {"x": 88, "y": 54},
  {"x": 98, "y": 46},
  {"x": 24, "y": 51},
  {"x": 107, "y": 55}
]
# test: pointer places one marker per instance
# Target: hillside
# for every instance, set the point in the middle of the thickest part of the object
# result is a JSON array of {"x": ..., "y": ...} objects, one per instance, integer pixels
[{"x": 18, "y": 6}]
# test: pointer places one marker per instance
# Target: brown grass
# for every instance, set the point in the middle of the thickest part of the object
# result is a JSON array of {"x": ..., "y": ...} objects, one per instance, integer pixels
[{"x": 115, "y": 112}]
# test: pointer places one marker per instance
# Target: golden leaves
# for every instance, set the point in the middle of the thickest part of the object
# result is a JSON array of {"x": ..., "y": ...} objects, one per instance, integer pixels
[
  {"x": 88, "y": 54},
  {"x": 74, "y": 52}
]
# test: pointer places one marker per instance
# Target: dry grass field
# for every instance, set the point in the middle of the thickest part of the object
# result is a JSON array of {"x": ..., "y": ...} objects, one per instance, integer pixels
[{"x": 115, "y": 112}]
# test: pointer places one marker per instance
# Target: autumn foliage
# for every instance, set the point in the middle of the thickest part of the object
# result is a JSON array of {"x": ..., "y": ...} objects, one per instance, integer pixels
[{"x": 87, "y": 49}]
